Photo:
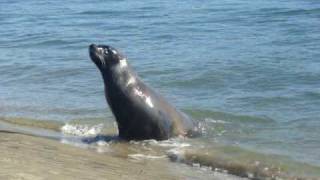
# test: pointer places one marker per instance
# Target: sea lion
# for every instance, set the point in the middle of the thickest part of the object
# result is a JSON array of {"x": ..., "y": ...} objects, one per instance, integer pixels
[{"x": 140, "y": 112}]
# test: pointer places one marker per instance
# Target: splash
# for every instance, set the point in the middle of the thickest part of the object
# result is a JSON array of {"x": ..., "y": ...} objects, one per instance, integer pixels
[{"x": 81, "y": 130}]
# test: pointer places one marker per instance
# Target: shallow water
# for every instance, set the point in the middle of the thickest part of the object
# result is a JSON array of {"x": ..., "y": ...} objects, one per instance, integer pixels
[{"x": 247, "y": 70}]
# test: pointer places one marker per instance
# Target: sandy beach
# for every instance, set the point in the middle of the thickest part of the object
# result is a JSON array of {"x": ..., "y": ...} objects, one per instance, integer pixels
[
  {"x": 35, "y": 158},
  {"x": 41, "y": 150}
]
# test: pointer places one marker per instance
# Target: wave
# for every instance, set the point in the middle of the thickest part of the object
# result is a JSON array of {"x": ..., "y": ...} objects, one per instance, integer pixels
[
  {"x": 86, "y": 127},
  {"x": 227, "y": 117},
  {"x": 102, "y": 12},
  {"x": 315, "y": 11},
  {"x": 226, "y": 159},
  {"x": 34, "y": 123},
  {"x": 110, "y": 13},
  {"x": 244, "y": 163},
  {"x": 55, "y": 42}
]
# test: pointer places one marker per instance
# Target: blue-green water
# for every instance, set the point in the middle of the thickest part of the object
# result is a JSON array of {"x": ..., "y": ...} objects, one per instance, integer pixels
[{"x": 249, "y": 70}]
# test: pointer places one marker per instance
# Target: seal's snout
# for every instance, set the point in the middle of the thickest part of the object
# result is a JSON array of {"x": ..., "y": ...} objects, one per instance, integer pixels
[
  {"x": 95, "y": 49},
  {"x": 96, "y": 55},
  {"x": 92, "y": 47},
  {"x": 104, "y": 55},
  {"x": 99, "y": 49}
]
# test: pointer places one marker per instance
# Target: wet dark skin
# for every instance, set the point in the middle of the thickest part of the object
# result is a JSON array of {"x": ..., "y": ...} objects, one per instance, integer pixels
[{"x": 140, "y": 112}]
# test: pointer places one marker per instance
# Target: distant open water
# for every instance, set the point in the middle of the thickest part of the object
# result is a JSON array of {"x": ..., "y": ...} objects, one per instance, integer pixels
[{"x": 249, "y": 69}]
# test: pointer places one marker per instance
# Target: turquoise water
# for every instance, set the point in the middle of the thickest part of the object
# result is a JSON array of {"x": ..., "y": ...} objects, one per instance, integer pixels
[{"x": 248, "y": 70}]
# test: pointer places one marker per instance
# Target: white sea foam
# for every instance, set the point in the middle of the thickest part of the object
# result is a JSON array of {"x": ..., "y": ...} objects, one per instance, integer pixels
[
  {"x": 209, "y": 120},
  {"x": 173, "y": 144},
  {"x": 176, "y": 154},
  {"x": 144, "y": 156},
  {"x": 81, "y": 130},
  {"x": 145, "y": 142},
  {"x": 74, "y": 142}
]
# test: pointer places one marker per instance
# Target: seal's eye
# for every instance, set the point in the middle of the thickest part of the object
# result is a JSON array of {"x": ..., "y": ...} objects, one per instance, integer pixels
[{"x": 106, "y": 52}]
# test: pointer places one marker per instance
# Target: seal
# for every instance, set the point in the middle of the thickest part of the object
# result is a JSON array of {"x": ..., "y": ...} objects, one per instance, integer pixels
[{"x": 140, "y": 112}]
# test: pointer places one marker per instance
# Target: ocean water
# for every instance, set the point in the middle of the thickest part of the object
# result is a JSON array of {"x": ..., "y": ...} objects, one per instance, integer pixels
[{"x": 248, "y": 70}]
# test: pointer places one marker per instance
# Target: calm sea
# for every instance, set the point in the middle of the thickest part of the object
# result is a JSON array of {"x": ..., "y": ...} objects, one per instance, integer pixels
[{"x": 249, "y": 70}]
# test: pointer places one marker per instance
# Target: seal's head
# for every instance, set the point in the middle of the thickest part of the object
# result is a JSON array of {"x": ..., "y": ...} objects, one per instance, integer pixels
[{"x": 104, "y": 56}]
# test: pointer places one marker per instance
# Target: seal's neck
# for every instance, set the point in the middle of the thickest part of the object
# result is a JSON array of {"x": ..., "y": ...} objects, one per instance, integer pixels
[{"x": 121, "y": 75}]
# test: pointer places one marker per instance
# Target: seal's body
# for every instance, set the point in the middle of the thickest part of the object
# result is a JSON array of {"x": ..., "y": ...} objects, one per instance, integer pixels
[{"x": 140, "y": 112}]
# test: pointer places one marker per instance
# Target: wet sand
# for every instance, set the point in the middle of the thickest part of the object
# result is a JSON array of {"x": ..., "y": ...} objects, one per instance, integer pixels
[
  {"x": 35, "y": 158},
  {"x": 41, "y": 150}
]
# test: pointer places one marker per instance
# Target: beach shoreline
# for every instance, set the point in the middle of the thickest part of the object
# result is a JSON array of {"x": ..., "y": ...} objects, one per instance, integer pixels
[
  {"x": 35, "y": 158},
  {"x": 38, "y": 151}
]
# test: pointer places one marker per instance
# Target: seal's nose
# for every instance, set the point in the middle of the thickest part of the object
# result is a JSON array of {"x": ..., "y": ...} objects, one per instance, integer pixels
[
  {"x": 92, "y": 48},
  {"x": 95, "y": 49}
]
